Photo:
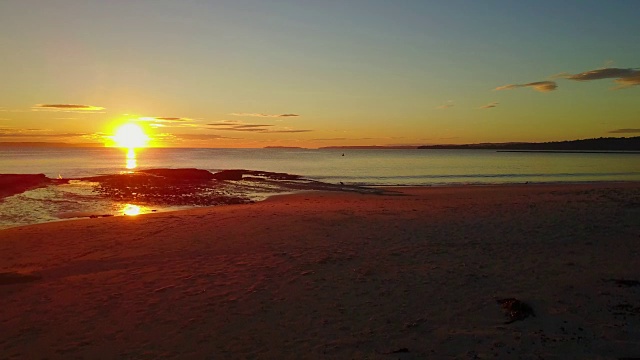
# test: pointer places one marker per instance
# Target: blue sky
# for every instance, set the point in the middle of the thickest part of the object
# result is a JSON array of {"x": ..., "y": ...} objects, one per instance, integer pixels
[{"x": 356, "y": 72}]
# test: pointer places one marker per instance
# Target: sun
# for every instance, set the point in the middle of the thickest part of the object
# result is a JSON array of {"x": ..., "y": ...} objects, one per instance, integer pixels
[{"x": 130, "y": 136}]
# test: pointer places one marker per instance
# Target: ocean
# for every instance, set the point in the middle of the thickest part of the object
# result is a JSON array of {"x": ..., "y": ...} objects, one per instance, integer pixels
[{"x": 367, "y": 167}]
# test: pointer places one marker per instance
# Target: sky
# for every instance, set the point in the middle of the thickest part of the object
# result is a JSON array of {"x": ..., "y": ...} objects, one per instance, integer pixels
[{"x": 255, "y": 73}]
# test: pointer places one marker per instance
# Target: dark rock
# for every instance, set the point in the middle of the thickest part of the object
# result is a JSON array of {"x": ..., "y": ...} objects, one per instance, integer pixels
[
  {"x": 12, "y": 184},
  {"x": 229, "y": 175},
  {"x": 187, "y": 174},
  {"x": 515, "y": 309},
  {"x": 238, "y": 175}
]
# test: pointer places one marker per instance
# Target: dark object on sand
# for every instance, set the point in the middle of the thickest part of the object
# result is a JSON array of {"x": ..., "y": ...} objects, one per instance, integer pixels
[
  {"x": 515, "y": 309},
  {"x": 627, "y": 283},
  {"x": 10, "y": 278},
  {"x": 398, "y": 351}
]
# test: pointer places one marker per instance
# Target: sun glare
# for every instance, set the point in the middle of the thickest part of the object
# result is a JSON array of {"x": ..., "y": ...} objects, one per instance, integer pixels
[
  {"x": 130, "y": 136},
  {"x": 131, "y": 210}
]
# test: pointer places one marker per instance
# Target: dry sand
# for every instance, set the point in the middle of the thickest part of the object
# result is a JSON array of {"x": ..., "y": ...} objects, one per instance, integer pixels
[{"x": 335, "y": 275}]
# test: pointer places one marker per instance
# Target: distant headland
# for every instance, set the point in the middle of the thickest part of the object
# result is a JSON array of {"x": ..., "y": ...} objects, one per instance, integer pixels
[{"x": 599, "y": 144}]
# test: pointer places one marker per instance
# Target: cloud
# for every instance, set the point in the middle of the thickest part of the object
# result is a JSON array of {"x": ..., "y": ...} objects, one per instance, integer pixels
[
  {"x": 14, "y": 134},
  {"x": 448, "y": 105},
  {"x": 625, "y": 131},
  {"x": 624, "y": 77},
  {"x": 172, "y": 119},
  {"x": 225, "y": 123},
  {"x": 257, "y": 128},
  {"x": 62, "y": 107},
  {"x": 286, "y": 131},
  {"x": 628, "y": 81},
  {"x": 489, "y": 106},
  {"x": 541, "y": 86},
  {"x": 605, "y": 73},
  {"x": 163, "y": 119},
  {"x": 264, "y": 115},
  {"x": 236, "y": 126},
  {"x": 250, "y": 126},
  {"x": 200, "y": 136}
]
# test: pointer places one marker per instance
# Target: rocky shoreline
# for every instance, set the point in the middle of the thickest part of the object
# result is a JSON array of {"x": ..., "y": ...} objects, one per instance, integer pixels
[
  {"x": 13, "y": 184},
  {"x": 181, "y": 187}
]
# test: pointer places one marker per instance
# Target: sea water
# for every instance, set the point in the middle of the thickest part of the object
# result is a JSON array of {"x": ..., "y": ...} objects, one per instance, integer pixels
[{"x": 388, "y": 167}]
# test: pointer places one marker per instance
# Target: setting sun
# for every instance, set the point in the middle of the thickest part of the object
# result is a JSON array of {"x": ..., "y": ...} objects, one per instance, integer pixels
[{"x": 130, "y": 136}]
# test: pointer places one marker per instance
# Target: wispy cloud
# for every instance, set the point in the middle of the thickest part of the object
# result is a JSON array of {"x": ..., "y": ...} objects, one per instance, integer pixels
[
  {"x": 257, "y": 128},
  {"x": 200, "y": 136},
  {"x": 170, "y": 122},
  {"x": 541, "y": 86},
  {"x": 225, "y": 123},
  {"x": 66, "y": 107},
  {"x": 447, "y": 105},
  {"x": 629, "y": 81},
  {"x": 355, "y": 139},
  {"x": 625, "y": 131},
  {"x": 164, "y": 119},
  {"x": 624, "y": 77},
  {"x": 31, "y": 135},
  {"x": 264, "y": 115},
  {"x": 489, "y": 106},
  {"x": 283, "y": 131},
  {"x": 235, "y": 126}
]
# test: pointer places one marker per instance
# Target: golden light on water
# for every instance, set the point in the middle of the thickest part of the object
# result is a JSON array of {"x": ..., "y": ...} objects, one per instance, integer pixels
[
  {"x": 130, "y": 136},
  {"x": 131, "y": 210},
  {"x": 132, "y": 163}
]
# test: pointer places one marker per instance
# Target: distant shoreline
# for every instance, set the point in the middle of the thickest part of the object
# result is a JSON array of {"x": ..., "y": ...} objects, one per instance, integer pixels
[{"x": 573, "y": 151}]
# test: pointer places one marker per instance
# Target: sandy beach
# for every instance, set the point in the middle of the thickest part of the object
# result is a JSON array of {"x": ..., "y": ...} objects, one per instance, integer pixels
[{"x": 412, "y": 274}]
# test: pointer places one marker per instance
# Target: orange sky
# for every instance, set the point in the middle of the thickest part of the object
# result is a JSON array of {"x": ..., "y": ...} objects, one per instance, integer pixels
[{"x": 253, "y": 74}]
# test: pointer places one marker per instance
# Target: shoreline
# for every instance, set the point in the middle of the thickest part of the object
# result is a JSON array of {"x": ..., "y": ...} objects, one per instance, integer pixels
[
  {"x": 335, "y": 275},
  {"x": 347, "y": 188},
  {"x": 161, "y": 208}
]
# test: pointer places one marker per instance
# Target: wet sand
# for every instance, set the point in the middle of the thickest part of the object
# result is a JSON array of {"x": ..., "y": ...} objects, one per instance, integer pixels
[{"x": 413, "y": 274}]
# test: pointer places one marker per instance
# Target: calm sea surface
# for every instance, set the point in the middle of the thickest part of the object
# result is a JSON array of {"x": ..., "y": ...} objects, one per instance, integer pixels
[
  {"x": 365, "y": 167},
  {"x": 373, "y": 167}
]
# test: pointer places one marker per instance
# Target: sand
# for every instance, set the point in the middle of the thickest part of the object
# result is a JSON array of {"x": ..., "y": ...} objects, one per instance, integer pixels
[{"x": 414, "y": 274}]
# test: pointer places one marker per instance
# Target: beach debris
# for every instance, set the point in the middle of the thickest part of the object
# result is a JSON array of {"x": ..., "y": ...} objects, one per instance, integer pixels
[
  {"x": 625, "y": 283},
  {"x": 10, "y": 278},
  {"x": 515, "y": 309},
  {"x": 625, "y": 309},
  {"x": 398, "y": 351}
]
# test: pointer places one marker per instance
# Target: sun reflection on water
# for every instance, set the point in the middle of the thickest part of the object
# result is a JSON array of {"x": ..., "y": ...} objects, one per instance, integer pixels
[
  {"x": 131, "y": 210},
  {"x": 132, "y": 162}
]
